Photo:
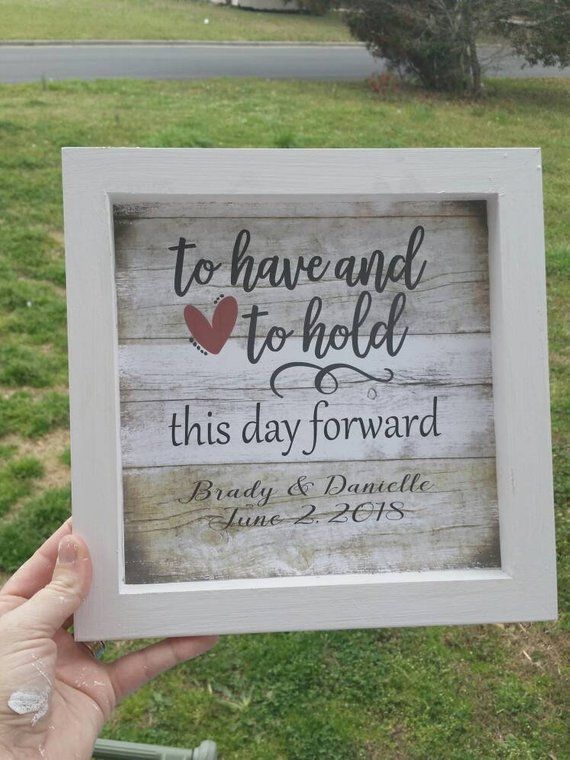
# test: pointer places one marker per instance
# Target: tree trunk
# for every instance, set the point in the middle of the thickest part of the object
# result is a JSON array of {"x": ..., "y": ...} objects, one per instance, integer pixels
[{"x": 474, "y": 64}]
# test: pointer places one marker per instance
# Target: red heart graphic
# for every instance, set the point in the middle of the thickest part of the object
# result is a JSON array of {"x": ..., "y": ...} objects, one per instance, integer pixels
[{"x": 213, "y": 336}]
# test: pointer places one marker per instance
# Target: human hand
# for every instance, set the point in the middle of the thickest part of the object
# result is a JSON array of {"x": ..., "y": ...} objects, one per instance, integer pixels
[{"x": 54, "y": 694}]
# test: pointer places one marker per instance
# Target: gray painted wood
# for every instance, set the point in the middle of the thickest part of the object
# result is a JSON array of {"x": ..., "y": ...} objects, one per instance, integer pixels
[{"x": 446, "y": 355}]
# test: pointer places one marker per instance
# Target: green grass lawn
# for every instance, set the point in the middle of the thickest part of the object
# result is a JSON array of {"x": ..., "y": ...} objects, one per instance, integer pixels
[
  {"x": 158, "y": 20},
  {"x": 471, "y": 692}
]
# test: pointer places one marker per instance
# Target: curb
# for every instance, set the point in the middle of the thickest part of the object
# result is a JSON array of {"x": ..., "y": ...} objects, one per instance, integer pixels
[{"x": 196, "y": 43}]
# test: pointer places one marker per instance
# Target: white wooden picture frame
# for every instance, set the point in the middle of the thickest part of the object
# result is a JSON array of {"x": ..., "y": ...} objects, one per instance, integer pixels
[{"x": 494, "y": 574}]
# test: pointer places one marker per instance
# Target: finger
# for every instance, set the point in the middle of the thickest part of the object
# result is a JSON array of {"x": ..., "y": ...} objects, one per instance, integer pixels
[
  {"x": 37, "y": 571},
  {"x": 51, "y": 606},
  {"x": 135, "y": 669}
]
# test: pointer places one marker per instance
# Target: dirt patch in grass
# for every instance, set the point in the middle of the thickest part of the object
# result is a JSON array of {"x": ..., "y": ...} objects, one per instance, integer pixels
[
  {"x": 543, "y": 647},
  {"x": 48, "y": 450}
]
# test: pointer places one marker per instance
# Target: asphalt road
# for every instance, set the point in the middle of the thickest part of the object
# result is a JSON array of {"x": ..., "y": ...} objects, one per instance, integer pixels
[{"x": 29, "y": 63}]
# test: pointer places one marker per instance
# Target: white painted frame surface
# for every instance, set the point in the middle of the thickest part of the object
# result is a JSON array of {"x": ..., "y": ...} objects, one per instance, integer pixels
[{"x": 510, "y": 181}]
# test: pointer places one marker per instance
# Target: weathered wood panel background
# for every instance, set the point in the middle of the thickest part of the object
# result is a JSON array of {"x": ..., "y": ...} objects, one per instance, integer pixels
[{"x": 447, "y": 354}]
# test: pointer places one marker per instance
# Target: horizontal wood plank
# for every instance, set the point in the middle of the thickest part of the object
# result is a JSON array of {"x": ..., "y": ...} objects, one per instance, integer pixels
[
  {"x": 171, "y": 537},
  {"x": 150, "y": 371},
  {"x": 464, "y": 426},
  {"x": 296, "y": 206},
  {"x": 452, "y": 295}
]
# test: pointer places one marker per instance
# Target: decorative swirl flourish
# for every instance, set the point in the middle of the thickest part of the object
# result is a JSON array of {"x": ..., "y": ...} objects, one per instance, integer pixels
[{"x": 324, "y": 373}]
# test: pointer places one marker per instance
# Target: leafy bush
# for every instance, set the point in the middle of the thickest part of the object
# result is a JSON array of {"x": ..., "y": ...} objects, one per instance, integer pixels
[{"x": 435, "y": 40}]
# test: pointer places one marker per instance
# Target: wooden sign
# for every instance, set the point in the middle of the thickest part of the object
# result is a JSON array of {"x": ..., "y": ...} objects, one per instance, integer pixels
[{"x": 309, "y": 388}]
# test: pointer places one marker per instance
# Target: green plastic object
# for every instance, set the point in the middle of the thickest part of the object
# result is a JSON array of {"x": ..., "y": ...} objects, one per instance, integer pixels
[{"x": 106, "y": 749}]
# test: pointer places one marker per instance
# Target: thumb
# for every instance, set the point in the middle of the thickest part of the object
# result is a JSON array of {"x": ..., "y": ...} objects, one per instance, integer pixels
[{"x": 50, "y": 607}]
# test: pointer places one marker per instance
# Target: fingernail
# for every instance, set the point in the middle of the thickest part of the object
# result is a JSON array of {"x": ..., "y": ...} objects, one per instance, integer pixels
[{"x": 67, "y": 551}]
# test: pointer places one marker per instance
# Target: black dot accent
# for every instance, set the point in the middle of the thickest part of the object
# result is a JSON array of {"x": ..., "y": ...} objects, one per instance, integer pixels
[{"x": 198, "y": 346}]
